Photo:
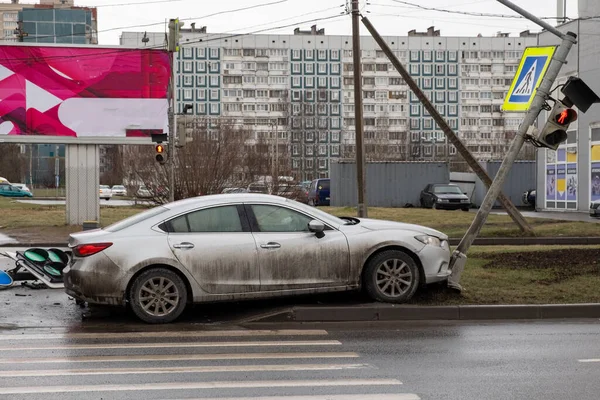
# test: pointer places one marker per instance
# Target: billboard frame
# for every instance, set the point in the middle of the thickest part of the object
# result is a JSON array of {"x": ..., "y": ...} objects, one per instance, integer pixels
[{"x": 90, "y": 140}]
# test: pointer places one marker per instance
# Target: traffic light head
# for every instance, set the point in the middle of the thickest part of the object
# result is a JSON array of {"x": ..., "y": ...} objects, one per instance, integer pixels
[
  {"x": 555, "y": 130},
  {"x": 174, "y": 34},
  {"x": 161, "y": 155}
]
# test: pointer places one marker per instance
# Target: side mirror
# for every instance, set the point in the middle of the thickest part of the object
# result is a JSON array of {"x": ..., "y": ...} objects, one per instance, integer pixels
[{"x": 317, "y": 227}]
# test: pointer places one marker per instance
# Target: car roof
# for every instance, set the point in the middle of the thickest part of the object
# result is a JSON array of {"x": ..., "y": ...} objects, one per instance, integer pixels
[{"x": 225, "y": 198}]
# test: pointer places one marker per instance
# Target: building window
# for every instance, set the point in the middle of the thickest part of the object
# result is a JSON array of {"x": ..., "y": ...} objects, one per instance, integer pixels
[
  {"x": 213, "y": 66},
  {"x": 214, "y": 81},
  {"x": 200, "y": 66},
  {"x": 335, "y": 68},
  {"x": 214, "y": 108},
  {"x": 296, "y": 68},
  {"x": 427, "y": 69},
  {"x": 309, "y": 68},
  {"x": 414, "y": 69}
]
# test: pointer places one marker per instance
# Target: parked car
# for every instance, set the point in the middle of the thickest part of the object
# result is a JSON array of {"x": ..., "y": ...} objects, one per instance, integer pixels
[
  {"x": 105, "y": 192},
  {"x": 246, "y": 246},
  {"x": 319, "y": 192},
  {"x": 304, "y": 187},
  {"x": 13, "y": 191},
  {"x": 595, "y": 209},
  {"x": 258, "y": 188},
  {"x": 235, "y": 190},
  {"x": 444, "y": 196},
  {"x": 143, "y": 192},
  {"x": 22, "y": 186},
  {"x": 119, "y": 190}
]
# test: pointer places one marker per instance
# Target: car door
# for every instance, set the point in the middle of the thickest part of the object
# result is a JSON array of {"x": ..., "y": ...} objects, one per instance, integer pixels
[
  {"x": 292, "y": 257},
  {"x": 216, "y": 246}
]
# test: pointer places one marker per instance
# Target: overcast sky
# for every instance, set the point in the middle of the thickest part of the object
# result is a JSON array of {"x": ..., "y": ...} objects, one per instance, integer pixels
[{"x": 389, "y": 16}]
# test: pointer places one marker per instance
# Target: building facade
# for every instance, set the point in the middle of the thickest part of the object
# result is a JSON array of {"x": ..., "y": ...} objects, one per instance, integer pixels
[
  {"x": 297, "y": 90},
  {"x": 8, "y": 20}
]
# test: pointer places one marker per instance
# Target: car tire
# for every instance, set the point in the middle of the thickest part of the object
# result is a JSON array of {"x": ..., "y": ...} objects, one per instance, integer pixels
[
  {"x": 434, "y": 206},
  {"x": 391, "y": 276},
  {"x": 155, "y": 307}
]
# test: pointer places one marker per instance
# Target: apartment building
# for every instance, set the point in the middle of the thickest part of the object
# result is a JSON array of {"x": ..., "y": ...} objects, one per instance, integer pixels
[{"x": 297, "y": 90}]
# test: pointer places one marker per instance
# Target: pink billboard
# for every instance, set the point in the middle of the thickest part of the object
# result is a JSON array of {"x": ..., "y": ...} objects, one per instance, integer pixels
[{"x": 51, "y": 94}]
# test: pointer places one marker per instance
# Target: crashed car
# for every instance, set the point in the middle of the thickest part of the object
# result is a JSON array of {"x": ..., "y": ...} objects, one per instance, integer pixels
[{"x": 247, "y": 246}]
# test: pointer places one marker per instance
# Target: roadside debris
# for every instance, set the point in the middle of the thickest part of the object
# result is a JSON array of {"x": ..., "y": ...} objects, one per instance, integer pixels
[{"x": 36, "y": 268}]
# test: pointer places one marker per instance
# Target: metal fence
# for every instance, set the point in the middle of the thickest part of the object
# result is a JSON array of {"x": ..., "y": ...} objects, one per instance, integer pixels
[{"x": 388, "y": 184}]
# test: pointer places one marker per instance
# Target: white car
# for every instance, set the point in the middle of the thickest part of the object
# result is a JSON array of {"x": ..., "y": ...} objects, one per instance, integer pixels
[
  {"x": 21, "y": 186},
  {"x": 119, "y": 190},
  {"x": 105, "y": 192},
  {"x": 248, "y": 246},
  {"x": 143, "y": 192}
]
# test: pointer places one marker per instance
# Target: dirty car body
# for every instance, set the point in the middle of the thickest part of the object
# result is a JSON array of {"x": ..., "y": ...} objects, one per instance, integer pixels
[{"x": 246, "y": 246}]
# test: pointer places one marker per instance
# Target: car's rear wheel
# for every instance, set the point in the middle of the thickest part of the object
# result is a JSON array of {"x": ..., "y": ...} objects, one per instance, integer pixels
[
  {"x": 391, "y": 276},
  {"x": 158, "y": 296}
]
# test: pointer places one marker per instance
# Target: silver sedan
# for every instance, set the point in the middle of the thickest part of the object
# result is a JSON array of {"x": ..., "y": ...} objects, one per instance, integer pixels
[{"x": 247, "y": 246}]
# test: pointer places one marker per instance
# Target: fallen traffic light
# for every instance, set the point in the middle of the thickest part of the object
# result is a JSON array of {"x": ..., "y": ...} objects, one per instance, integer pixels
[
  {"x": 161, "y": 154},
  {"x": 555, "y": 130}
]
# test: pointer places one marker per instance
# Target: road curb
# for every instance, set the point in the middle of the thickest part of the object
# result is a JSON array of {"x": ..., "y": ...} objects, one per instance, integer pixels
[{"x": 391, "y": 312}]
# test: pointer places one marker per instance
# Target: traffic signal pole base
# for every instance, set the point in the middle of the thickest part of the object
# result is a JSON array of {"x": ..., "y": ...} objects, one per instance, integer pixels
[{"x": 457, "y": 265}]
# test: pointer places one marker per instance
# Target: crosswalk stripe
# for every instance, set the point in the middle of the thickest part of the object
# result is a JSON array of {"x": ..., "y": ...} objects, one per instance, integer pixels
[
  {"x": 167, "y": 334},
  {"x": 176, "y": 345},
  {"x": 590, "y": 360},
  {"x": 178, "y": 357},
  {"x": 199, "y": 385},
  {"x": 382, "y": 396},
  {"x": 182, "y": 370}
]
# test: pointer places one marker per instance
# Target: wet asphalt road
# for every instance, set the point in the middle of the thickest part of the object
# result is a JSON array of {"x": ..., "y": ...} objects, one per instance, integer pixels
[{"x": 50, "y": 352}]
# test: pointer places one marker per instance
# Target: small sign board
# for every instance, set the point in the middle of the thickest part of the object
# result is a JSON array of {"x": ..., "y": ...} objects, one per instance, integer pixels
[{"x": 531, "y": 71}]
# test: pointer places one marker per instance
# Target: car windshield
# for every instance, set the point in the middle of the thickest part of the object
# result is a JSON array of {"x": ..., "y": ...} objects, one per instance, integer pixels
[
  {"x": 104, "y": 187},
  {"x": 324, "y": 184},
  {"x": 447, "y": 190},
  {"x": 118, "y": 187},
  {"x": 134, "y": 219}
]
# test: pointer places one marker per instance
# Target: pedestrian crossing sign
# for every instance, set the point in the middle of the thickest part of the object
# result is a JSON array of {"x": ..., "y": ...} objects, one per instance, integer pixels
[{"x": 531, "y": 71}]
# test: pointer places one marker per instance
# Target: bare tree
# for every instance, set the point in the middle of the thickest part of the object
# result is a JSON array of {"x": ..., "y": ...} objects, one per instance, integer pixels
[{"x": 11, "y": 163}]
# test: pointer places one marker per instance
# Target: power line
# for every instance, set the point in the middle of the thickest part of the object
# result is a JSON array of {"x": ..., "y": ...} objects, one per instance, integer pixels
[
  {"x": 469, "y": 13},
  {"x": 181, "y": 19},
  {"x": 135, "y": 4},
  {"x": 157, "y": 47}
]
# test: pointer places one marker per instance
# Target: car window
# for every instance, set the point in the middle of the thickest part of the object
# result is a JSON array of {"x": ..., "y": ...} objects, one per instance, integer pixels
[
  {"x": 324, "y": 184},
  {"x": 216, "y": 219},
  {"x": 447, "y": 190},
  {"x": 279, "y": 219},
  {"x": 127, "y": 222}
]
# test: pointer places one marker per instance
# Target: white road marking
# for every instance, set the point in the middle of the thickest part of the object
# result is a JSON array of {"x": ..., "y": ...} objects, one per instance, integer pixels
[
  {"x": 400, "y": 396},
  {"x": 177, "y": 345},
  {"x": 200, "y": 385},
  {"x": 590, "y": 360},
  {"x": 178, "y": 357},
  {"x": 167, "y": 334},
  {"x": 182, "y": 370}
]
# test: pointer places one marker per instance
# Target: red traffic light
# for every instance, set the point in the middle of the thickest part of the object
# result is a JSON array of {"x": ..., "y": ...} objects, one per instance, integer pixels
[
  {"x": 566, "y": 116},
  {"x": 160, "y": 148}
]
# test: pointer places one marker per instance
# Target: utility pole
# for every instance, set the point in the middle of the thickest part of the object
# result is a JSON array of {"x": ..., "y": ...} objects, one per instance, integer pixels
[
  {"x": 459, "y": 257},
  {"x": 358, "y": 112},
  {"x": 443, "y": 125},
  {"x": 173, "y": 48}
]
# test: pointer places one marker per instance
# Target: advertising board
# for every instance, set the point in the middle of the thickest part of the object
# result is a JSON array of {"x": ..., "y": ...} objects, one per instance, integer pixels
[{"x": 85, "y": 95}]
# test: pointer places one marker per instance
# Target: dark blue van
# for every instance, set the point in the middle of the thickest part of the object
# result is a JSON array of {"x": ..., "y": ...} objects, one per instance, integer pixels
[{"x": 318, "y": 193}]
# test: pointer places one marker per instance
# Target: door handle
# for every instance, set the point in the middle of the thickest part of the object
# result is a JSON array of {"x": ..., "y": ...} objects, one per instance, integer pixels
[
  {"x": 270, "y": 245},
  {"x": 184, "y": 245}
]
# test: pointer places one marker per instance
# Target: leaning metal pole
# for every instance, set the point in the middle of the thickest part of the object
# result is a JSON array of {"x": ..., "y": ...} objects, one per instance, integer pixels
[
  {"x": 459, "y": 257},
  {"x": 452, "y": 137}
]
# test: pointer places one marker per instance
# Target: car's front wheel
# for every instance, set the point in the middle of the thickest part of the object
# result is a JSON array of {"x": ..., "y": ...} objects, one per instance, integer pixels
[
  {"x": 391, "y": 276},
  {"x": 158, "y": 296}
]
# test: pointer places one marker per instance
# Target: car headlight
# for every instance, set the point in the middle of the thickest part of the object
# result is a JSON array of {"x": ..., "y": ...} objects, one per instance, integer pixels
[
  {"x": 431, "y": 240},
  {"x": 442, "y": 200}
]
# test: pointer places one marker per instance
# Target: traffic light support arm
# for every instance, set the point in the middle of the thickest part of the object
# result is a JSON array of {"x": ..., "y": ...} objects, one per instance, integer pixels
[{"x": 459, "y": 258}]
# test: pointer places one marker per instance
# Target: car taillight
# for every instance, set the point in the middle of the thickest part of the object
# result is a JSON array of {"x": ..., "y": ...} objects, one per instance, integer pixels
[{"x": 85, "y": 250}]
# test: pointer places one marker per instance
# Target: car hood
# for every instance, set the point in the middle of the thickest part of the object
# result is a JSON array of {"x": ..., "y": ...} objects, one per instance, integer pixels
[
  {"x": 451, "y": 196},
  {"x": 376, "y": 225}
]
